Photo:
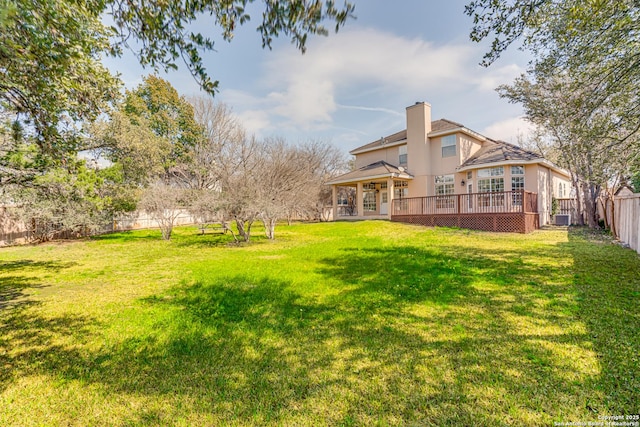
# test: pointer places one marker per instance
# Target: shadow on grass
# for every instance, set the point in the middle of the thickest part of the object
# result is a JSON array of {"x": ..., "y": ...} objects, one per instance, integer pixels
[
  {"x": 17, "y": 276},
  {"x": 607, "y": 280},
  {"x": 129, "y": 236},
  {"x": 204, "y": 241},
  {"x": 383, "y": 278},
  {"x": 29, "y": 343},
  {"x": 402, "y": 336}
]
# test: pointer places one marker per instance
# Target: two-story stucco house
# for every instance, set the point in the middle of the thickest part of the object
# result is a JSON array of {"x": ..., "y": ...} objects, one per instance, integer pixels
[{"x": 442, "y": 173}]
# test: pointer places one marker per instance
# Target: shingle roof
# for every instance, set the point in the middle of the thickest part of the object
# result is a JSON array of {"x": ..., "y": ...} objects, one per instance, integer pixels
[
  {"x": 499, "y": 151},
  {"x": 440, "y": 125},
  {"x": 395, "y": 137},
  {"x": 377, "y": 170}
]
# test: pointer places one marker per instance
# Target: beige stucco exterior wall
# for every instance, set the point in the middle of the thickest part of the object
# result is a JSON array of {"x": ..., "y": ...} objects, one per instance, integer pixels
[
  {"x": 389, "y": 155},
  {"x": 418, "y": 126},
  {"x": 531, "y": 178},
  {"x": 556, "y": 179},
  {"x": 544, "y": 194},
  {"x": 467, "y": 147},
  {"x": 443, "y": 165},
  {"x": 418, "y": 186}
]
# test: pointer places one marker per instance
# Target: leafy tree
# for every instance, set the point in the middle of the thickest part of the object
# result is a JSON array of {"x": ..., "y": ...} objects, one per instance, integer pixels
[
  {"x": 157, "y": 104},
  {"x": 161, "y": 27},
  {"x": 50, "y": 68},
  {"x": 73, "y": 200},
  {"x": 50, "y": 50},
  {"x": 635, "y": 181},
  {"x": 583, "y": 84},
  {"x": 134, "y": 149},
  {"x": 595, "y": 161}
]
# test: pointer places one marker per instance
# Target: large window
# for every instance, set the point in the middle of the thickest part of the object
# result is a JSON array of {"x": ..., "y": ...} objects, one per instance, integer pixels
[
  {"x": 448, "y": 145},
  {"x": 444, "y": 185},
  {"x": 370, "y": 201},
  {"x": 444, "y": 188},
  {"x": 402, "y": 155},
  {"x": 517, "y": 184},
  {"x": 400, "y": 189},
  {"x": 562, "y": 190},
  {"x": 491, "y": 180},
  {"x": 497, "y": 171}
]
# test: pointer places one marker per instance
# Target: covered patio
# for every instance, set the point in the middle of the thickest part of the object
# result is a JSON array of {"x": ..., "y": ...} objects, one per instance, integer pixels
[{"x": 368, "y": 193}]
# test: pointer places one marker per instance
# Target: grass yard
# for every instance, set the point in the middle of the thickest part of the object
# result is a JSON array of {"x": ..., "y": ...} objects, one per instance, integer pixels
[{"x": 366, "y": 323}]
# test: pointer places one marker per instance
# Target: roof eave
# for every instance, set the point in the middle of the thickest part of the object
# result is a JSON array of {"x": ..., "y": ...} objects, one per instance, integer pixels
[
  {"x": 369, "y": 178},
  {"x": 379, "y": 147},
  {"x": 542, "y": 161},
  {"x": 455, "y": 130}
]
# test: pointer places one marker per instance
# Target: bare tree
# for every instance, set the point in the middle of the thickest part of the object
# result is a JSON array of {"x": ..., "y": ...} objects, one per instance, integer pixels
[
  {"x": 240, "y": 179},
  {"x": 214, "y": 172},
  {"x": 239, "y": 184},
  {"x": 221, "y": 129},
  {"x": 284, "y": 174},
  {"x": 325, "y": 161},
  {"x": 164, "y": 203}
]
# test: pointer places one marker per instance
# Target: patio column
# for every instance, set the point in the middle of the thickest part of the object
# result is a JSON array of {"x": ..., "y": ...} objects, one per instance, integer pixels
[
  {"x": 359, "y": 199},
  {"x": 390, "y": 191},
  {"x": 334, "y": 202}
]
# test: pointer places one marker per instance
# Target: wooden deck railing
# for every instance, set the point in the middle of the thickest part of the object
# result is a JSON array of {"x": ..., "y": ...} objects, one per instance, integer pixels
[{"x": 470, "y": 203}]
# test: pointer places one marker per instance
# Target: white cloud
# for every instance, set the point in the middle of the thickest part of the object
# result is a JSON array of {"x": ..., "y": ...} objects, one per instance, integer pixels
[
  {"x": 356, "y": 73},
  {"x": 494, "y": 76},
  {"x": 303, "y": 90},
  {"x": 254, "y": 121},
  {"x": 376, "y": 109},
  {"x": 509, "y": 130}
]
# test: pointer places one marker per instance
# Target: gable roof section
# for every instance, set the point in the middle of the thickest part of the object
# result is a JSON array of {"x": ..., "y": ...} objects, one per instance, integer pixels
[
  {"x": 438, "y": 127},
  {"x": 391, "y": 140},
  {"x": 500, "y": 152},
  {"x": 497, "y": 153},
  {"x": 443, "y": 125},
  {"x": 375, "y": 170}
]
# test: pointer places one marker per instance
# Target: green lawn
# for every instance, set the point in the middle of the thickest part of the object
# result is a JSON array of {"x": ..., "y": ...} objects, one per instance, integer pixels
[{"x": 365, "y": 323}]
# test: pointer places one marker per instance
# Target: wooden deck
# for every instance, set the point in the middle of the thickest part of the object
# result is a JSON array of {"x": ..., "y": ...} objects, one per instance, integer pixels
[{"x": 506, "y": 211}]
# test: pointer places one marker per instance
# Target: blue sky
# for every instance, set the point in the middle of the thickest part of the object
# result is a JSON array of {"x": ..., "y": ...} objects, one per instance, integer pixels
[{"x": 352, "y": 87}]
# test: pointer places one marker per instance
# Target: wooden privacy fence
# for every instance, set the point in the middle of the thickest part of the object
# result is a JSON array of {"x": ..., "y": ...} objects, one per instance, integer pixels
[
  {"x": 507, "y": 211},
  {"x": 627, "y": 219},
  {"x": 14, "y": 232}
]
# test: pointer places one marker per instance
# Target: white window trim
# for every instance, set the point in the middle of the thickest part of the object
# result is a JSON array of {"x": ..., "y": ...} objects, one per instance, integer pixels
[{"x": 445, "y": 143}]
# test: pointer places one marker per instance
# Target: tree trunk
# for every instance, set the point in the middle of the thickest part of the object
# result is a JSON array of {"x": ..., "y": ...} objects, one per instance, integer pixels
[
  {"x": 604, "y": 202},
  {"x": 240, "y": 224},
  {"x": 590, "y": 193},
  {"x": 614, "y": 226},
  {"x": 248, "y": 229},
  {"x": 579, "y": 197}
]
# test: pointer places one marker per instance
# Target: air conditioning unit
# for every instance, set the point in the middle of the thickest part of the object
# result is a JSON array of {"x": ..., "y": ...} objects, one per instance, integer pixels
[{"x": 563, "y": 219}]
